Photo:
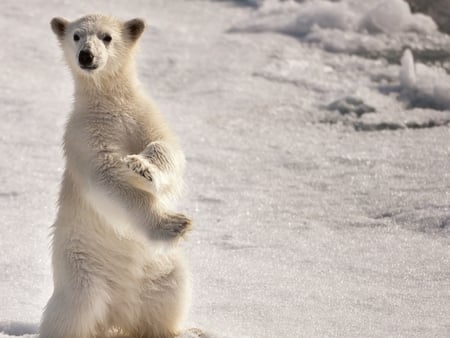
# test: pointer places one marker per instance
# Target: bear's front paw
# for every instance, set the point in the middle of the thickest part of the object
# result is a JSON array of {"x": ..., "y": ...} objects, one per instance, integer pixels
[
  {"x": 176, "y": 225},
  {"x": 139, "y": 165}
]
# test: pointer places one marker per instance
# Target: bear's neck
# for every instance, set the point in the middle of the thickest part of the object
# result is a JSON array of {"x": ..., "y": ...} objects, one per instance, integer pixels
[{"x": 106, "y": 89}]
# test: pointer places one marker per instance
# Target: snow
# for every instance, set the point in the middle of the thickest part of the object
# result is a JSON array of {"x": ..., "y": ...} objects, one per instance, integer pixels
[
  {"x": 343, "y": 26},
  {"x": 423, "y": 85},
  {"x": 290, "y": 17},
  {"x": 390, "y": 16},
  {"x": 309, "y": 221},
  {"x": 18, "y": 328}
]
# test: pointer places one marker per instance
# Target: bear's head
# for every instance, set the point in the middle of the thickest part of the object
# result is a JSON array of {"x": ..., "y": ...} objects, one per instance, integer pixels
[{"x": 95, "y": 44}]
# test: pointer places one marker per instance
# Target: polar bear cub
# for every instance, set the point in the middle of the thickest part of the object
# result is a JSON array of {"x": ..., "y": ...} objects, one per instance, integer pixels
[{"x": 123, "y": 168}]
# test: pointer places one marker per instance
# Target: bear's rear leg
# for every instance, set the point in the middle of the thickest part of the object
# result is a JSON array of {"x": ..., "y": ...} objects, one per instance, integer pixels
[
  {"x": 165, "y": 302},
  {"x": 74, "y": 316}
]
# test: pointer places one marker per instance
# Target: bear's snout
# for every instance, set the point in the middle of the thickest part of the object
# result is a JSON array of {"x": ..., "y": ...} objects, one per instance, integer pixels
[{"x": 86, "y": 59}]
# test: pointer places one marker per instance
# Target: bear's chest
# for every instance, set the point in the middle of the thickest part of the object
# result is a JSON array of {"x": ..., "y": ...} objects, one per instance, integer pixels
[{"x": 112, "y": 128}]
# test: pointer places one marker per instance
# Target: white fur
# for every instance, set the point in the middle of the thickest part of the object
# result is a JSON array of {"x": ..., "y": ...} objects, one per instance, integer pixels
[{"x": 123, "y": 168}]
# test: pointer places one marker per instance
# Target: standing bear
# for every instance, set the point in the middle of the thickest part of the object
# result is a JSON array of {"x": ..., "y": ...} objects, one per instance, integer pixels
[{"x": 116, "y": 265}]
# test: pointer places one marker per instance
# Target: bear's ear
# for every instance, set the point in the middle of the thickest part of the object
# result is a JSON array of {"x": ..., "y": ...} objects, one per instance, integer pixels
[
  {"x": 134, "y": 28},
  {"x": 59, "y": 26}
]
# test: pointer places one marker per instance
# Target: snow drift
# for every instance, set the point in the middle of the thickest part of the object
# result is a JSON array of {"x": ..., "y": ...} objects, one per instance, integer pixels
[
  {"x": 364, "y": 28},
  {"x": 300, "y": 19}
]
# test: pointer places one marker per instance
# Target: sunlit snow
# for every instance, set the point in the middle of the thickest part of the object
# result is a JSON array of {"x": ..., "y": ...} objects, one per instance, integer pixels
[{"x": 317, "y": 136}]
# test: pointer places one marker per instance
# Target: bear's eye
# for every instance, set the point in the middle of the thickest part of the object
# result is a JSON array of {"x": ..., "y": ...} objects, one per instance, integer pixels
[
  {"x": 76, "y": 37},
  {"x": 107, "y": 38}
]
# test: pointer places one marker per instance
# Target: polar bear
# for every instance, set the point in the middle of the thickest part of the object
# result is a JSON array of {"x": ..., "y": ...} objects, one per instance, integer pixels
[{"x": 117, "y": 267}]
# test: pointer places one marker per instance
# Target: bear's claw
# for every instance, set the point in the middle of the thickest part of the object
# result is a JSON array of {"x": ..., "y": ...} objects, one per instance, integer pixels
[
  {"x": 176, "y": 225},
  {"x": 138, "y": 165}
]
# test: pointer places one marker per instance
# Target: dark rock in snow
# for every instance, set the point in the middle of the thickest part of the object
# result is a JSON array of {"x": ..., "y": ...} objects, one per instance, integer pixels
[{"x": 349, "y": 104}]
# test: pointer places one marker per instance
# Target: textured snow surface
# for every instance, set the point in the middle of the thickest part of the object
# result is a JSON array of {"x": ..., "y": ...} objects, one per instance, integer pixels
[{"x": 318, "y": 161}]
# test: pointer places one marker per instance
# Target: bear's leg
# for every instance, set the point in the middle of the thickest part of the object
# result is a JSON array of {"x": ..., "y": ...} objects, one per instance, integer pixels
[
  {"x": 165, "y": 303},
  {"x": 74, "y": 315}
]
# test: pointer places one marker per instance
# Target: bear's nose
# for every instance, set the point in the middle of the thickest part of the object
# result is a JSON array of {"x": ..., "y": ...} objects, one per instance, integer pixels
[{"x": 85, "y": 58}]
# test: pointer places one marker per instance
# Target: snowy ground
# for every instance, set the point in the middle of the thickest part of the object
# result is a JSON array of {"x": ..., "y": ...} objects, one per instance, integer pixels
[{"x": 318, "y": 175}]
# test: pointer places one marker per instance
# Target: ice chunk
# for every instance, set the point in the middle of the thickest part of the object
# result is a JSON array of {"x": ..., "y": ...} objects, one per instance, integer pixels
[
  {"x": 392, "y": 16},
  {"x": 388, "y": 16},
  {"x": 424, "y": 86},
  {"x": 421, "y": 23},
  {"x": 439, "y": 10},
  {"x": 407, "y": 70}
]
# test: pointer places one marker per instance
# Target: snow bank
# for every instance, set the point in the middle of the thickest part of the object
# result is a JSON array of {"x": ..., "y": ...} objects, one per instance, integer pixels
[
  {"x": 381, "y": 29},
  {"x": 299, "y": 19},
  {"x": 321, "y": 14},
  {"x": 292, "y": 18},
  {"x": 344, "y": 26},
  {"x": 424, "y": 86}
]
